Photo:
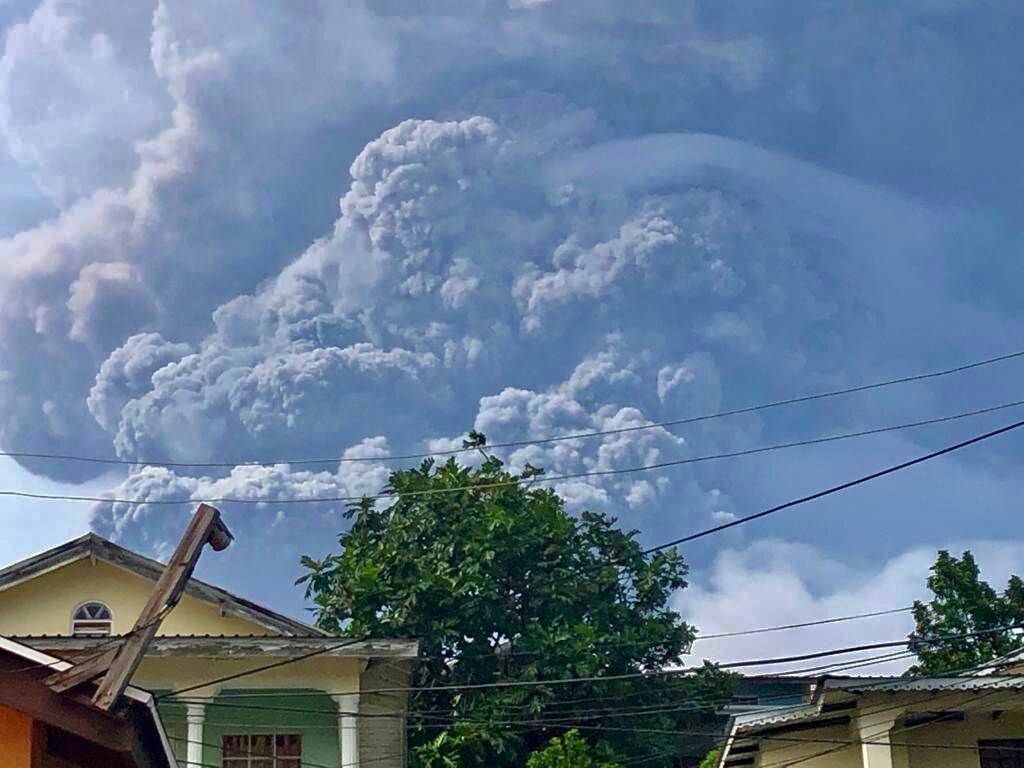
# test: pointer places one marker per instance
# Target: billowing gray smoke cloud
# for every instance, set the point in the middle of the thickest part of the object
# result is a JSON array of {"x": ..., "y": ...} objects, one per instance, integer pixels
[{"x": 371, "y": 227}]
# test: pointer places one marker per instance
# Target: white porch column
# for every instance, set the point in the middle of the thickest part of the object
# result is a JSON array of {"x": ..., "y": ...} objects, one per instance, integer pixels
[
  {"x": 195, "y": 715},
  {"x": 348, "y": 728},
  {"x": 875, "y": 729}
]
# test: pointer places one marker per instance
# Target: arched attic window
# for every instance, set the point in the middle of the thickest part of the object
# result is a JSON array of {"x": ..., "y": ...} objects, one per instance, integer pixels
[{"x": 91, "y": 619}]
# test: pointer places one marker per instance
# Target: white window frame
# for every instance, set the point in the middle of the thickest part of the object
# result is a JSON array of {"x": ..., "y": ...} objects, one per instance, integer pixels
[{"x": 82, "y": 605}]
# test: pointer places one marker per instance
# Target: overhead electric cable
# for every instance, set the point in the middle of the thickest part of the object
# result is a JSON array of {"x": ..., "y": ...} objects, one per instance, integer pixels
[
  {"x": 519, "y": 443},
  {"x": 552, "y": 478},
  {"x": 817, "y": 623},
  {"x": 562, "y": 681},
  {"x": 836, "y": 488},
  {"x": 721, "y": 635}
]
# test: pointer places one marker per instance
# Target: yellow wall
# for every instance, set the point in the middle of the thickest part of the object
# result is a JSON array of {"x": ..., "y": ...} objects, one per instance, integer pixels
[
  {"x": 1010, "y": 725},
  {"x": 913, "y": 744},
  {"x": 326, "y": 673},
  {"x": 15, "y": 739},
  {"x": 44, "y": 605},
  {"x": 811, "y": 754}
]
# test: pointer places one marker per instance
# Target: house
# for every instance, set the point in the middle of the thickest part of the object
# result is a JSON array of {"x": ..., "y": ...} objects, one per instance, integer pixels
[
  {"x": 752, "y": 693},
  {"x": 43, "y": 729},
  {"x": 236, "y": 684},
  {"x": 888, "y": 722}
]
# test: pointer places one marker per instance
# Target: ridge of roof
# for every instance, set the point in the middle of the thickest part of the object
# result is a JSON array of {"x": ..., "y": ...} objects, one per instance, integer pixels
[{"x": 92, "y": 544}]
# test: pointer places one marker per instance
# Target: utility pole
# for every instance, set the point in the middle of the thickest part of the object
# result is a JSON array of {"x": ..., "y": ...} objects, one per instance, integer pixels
[{"x": 118, "y": 664}]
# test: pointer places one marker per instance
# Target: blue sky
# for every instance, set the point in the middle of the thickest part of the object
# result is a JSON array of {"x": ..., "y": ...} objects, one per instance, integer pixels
[{"x": 231, "y": 234}]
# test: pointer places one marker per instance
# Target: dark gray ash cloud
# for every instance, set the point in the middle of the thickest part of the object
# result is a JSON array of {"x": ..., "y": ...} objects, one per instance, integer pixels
[{"x": 370, "y": 227}]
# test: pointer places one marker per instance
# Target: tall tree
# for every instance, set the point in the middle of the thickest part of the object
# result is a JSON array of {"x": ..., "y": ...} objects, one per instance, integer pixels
[
  {"x": 963, "y": 603},
  {"x": 503, "y": 584}
]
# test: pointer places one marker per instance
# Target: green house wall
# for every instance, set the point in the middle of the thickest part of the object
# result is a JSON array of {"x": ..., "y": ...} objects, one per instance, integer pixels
[{"x": 313, "y": 714}]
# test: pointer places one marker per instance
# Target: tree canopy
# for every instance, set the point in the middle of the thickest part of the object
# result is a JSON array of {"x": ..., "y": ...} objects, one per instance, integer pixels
[
  {"x": 963, "y": 603},
  {"x": 502, "y": 583}
]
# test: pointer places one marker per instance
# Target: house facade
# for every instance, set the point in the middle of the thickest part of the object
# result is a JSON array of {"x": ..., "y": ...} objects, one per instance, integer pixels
[
  {"x": 955, "y": 722},
  {"x": 236, "y": 685}
]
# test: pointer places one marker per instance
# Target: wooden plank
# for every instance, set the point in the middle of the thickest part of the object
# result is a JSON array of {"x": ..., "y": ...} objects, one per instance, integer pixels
[
  {"x": 204, "y": 528},
  {"x": 83, "y": 673}
]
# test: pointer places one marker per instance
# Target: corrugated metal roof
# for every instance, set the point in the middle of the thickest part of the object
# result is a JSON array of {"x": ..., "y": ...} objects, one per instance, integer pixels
[
  {"x": 775, "y": 716},
  {"x": 243, "y": 646},
  {"x": 910, "y": 685}
]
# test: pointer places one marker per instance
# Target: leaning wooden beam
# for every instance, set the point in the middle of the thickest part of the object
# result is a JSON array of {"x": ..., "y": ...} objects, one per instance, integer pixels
[
  {"x": 117, "y": 665},
  {"x": 205, "y": 528}
]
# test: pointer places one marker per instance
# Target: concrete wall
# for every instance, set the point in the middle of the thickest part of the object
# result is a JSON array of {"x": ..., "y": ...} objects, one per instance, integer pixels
[
  {"x": 808, "y": 754},
  {"x": 383, "y": 739},
  {"x": 44, "y": 605}
]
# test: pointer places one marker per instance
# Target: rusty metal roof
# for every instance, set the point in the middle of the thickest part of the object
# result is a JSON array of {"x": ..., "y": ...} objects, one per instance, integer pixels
[
  {"x": 241, "y": 646},
  {"x": 924, "y": 684}
]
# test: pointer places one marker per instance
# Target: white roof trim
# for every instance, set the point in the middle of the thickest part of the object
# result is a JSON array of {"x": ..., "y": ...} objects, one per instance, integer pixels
[
  {"x": 31, "y": 654},
  {"x": 43, "y": 571}
]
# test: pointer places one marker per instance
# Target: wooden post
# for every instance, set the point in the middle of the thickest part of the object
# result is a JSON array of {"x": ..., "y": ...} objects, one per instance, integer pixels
[{"x": 205, "y": 527}]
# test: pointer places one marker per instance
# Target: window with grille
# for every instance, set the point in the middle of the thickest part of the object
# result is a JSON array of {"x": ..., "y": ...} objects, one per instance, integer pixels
[
  {"x": 1001, "y": 753},
  {"x": 262, "y": 750},
  {"x": 91, "y": 620}
]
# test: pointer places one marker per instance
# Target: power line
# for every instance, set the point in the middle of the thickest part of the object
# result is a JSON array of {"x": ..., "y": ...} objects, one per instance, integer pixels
[
  {"x": 525, "y": 442},
  {"x": 868, "y": 661},
  {"x": 568, "y": 724},
  {"x": 833, "y": 489},
  {"x": 697, "y": 703},
  {"x": 569, "y": 680},
  {"x": 836, "y": 488},
  {"x": 302, "y": 762},
  {"x": 272, "y": 665},
  {"x": 536, "y": 479},
  {"x": 495, "y": 652},
  {"x": 819, "y": 622},
  {"x": 885, "y": 734},
  {"x": 565, "y": 723}
]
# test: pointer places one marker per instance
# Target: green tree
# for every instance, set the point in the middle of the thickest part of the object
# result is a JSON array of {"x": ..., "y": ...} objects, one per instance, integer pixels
[
  {"x": 570, "y": 750},
  {"x": 501, "y": 583},
  {"x": 710, "y": 759},
  {"x": 963, "y": 603}
]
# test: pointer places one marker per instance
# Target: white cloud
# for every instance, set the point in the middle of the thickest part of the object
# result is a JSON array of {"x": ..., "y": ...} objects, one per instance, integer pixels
[{"x": 772, "y": 582}]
